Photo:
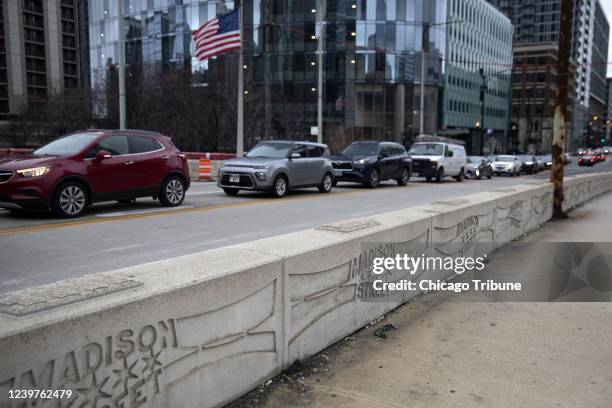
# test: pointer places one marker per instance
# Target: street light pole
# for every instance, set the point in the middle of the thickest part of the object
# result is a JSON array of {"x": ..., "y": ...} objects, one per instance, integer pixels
[
  {"x": 121, "y": 65},
  {"x": 424, "y": 50},
  {"x": 320, "y": 77},
  {"x": 483, "y": 90}
]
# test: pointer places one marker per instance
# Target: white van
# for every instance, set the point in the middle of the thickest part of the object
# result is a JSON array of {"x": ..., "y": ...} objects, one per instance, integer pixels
[{"x": 436, "y": 160}]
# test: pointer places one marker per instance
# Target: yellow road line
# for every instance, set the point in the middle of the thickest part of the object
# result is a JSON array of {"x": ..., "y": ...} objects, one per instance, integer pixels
[{"x": 88, "y": 221}]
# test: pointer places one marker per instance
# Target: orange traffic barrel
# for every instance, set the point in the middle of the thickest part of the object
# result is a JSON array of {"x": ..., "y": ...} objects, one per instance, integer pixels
[{"x": 205, "y": 170}]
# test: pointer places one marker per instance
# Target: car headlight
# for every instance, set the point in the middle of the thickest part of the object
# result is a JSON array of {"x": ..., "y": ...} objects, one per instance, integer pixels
[
  {"x": 528, "y": 163},
  {"x": 434, "y": 163},
  {"x": 261, "y": 166},
  {"x": 477, "y": 173},
  {"x": 360, "y": 161},
  {"x": 34, "y": 172}
]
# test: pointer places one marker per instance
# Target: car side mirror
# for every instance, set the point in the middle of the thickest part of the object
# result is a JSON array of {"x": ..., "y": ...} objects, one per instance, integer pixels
[
  {"x": 103, "y": 155},
  {"x": 295, "y": 156}
]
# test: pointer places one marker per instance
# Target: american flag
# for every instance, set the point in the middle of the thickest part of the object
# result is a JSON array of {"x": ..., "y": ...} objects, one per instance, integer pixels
[{"x": 217, "y": 36}]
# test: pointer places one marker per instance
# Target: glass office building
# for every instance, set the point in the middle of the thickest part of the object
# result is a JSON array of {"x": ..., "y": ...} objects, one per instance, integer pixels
[
  {"x": 372, "y": 56},
  {"x": 479, "y": 50}
]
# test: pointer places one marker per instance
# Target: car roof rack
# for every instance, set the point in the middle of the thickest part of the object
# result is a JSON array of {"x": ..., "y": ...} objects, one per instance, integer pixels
[{"x": 439, "y": 139}]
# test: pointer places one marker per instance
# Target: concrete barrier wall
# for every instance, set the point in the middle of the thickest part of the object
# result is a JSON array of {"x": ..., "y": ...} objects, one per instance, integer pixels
[{"x": 200, "y": 330}]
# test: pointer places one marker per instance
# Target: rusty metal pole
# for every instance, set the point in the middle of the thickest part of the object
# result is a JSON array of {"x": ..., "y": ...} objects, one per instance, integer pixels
[{"x": 559, "y": 129}]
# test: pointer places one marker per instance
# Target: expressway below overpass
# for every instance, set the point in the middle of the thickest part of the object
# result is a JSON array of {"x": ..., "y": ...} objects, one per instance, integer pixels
[{"x": 39, "y": 249}]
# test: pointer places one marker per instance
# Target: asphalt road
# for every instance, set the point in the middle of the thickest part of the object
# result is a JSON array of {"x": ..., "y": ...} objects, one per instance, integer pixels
[{"x": 38, "y": 249}]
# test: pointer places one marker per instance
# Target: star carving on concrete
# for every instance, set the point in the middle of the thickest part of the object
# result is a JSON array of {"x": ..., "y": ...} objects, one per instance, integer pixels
[
  {"x": 124, "y": 373},
  {"x": 94, "y": 391},
  {"x": 151, "y": 362}
]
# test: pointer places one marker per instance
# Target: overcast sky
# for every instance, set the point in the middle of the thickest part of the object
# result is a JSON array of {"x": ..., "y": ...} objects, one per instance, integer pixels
[{"x": 607, "y": 6}]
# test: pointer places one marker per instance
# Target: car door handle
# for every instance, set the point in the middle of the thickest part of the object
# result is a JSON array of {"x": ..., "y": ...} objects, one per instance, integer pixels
[
  {"x": 127, "y": 163},
  {"x": 165, "y": 157}
]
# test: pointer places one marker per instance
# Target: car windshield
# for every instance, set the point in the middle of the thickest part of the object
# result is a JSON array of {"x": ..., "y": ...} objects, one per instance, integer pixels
[
  {"x": 427, "y": 149},
  {"x": 526, "y": 158},
  {"x": 270, "y": 149},
  {"x": 361, "y": 149},
  {"x": 67, "y": 145},
  {"x": 475, "y": 159},
  {"x": 504, "y": 159}
]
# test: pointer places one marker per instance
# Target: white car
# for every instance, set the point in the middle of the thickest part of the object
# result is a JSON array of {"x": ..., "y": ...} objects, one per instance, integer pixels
[
  {"x": 438, "y": 160},
  {"x": 506, "y": 164}
]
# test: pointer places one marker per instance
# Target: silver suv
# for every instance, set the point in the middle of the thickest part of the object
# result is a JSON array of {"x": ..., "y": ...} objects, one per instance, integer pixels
[{"x": 277, "y": 166}]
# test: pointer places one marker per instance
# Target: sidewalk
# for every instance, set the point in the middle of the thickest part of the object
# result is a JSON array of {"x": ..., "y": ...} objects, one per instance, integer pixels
[{"x": 468, "y": 354}]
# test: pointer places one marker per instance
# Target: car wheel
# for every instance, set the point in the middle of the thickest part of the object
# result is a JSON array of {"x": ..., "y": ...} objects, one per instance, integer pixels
[
  {"x": 231, "y": 191},
  {"x": 440, "y": 175},
  {"x": 460, "y": 177},
  {"x": 172, "y": 192},
  {"x": 374, "y": 179},
  {"x": 404, "y": 177},
  {"x": 327, "y": 183},
  {"x": 69, "y": 200},
  {"x": 279, "y": 188},
  {"x": 428, "y": 179}
]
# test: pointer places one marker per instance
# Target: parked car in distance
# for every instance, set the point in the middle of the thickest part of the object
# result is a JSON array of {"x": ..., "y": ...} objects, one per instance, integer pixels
[
  {"x": 607, "y": 150},
  {"x": 529, "y": 164},
  {"x": 581, "y": 151},
  {"x": 568, "y": 158},
  {"x": 587, "y": 160},
  {"x": 478, "y": 167},
  {"x": 436, "y": 160},
  {"x": 372, "y": 162},
  {"x": 599, "y": 155},
  {"x": 546, "y": 161},
  {"x": 89, "y": 166},
  {"x": 506, "y": 164},
  {"x": 277, "y": 166}
]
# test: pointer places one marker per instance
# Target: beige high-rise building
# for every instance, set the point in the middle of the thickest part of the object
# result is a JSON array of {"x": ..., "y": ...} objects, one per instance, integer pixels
[{"x": 39, "y": 52}]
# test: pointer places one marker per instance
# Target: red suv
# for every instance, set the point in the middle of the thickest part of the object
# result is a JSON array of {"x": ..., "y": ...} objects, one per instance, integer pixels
[{"x": 90, "y": 166}]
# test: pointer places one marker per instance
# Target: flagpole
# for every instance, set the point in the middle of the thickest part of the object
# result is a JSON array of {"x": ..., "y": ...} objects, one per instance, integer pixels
[
  {"x": 320, "y": 78},
  {"x": 240, "y": 126}
]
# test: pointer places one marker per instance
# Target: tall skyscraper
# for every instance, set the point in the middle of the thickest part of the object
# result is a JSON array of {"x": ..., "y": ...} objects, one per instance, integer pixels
[
  {"x": 537, "y": 21},
  {"x": 372, "y": 56},
  {"x": 39, "y": 52},
  {"x": 598, "y": 115},
  {"x": 479, "y": 50}
]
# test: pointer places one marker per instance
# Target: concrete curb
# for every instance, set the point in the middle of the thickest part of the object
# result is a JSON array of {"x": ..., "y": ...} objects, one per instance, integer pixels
[{"x": 200, "y": 330}]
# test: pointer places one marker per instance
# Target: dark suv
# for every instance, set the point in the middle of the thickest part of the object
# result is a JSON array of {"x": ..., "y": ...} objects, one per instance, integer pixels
[
  {"x": 88, "y": 166},
  {"x": 372, "y": 162}
]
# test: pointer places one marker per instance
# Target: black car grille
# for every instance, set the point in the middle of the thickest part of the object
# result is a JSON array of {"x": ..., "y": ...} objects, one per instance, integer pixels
[
  {"x": 421, "y": 164},
  {"x": 245, "y": 181},
  {"x": 5, "y": 176},
  {"x": 342, "y": 165}
]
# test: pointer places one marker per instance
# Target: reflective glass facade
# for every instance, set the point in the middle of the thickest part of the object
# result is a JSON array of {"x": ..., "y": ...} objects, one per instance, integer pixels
[
  {"x": 479, "y": 51},
  {"x": 372, "y": 55}
]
